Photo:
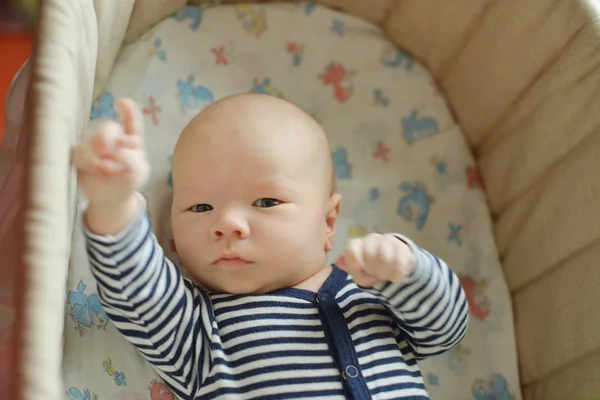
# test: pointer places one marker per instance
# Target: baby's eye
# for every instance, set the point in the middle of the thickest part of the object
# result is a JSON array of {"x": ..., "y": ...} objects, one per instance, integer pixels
[
  {"x": 267, "y": 202},
  {"x": 200, "y": 208}
]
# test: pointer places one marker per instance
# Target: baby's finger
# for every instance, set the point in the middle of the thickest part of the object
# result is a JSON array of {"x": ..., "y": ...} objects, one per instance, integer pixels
[
  {"x": 104, "y": 140},
  {"x": 394, "y": 260},
  {"x": 361, "y": 278},
  {"x": 130, "y": 142},
  {"x": 406, "y": 259},
  {"x": 386, "y": 257},
  {"x": 353, "y": 255},
  {"x": 129, "y": 159},
  {"x": 131, "y": 117},
  {"x": 111, "y": 167},
  {"x": 83, "y": 159},
  {"x": 354, "y": 264},
  {"x": 371, "y": 253}
]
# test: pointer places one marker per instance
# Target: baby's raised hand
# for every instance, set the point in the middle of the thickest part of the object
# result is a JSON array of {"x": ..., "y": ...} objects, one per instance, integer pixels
[
  {"x": 377, "y": 258},
  {"x": 111, "y": 161}
]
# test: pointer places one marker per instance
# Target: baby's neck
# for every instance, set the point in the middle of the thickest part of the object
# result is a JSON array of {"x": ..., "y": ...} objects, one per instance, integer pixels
[{"x": 316, "y": 280}]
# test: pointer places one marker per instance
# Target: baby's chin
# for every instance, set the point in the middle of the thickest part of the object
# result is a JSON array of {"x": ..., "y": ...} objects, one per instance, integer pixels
[{"x": 238, "y": 286}]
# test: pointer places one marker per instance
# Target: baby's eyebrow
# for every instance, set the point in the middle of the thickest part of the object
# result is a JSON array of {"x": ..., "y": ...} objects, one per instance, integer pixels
[{"x": 275, "y": 183}]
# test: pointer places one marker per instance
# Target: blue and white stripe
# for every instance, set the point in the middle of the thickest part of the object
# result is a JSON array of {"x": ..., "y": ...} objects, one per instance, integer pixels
[{"x": 342, "y": 342}]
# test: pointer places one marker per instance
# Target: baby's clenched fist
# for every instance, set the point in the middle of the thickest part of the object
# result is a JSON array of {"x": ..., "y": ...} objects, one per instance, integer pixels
[
  {"x": 378, "y": 258},
  {"x": 111, "y": 161}
]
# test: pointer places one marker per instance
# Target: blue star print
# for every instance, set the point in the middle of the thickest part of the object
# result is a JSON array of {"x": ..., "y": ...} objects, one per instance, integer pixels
[
  {"x": 374, "y": 193},
  {"x": 442, "y": 168},
  {"x": 454, "y": 235},
  {"x": 337, "y": 26},
  {"x": 433, "y": 379}
]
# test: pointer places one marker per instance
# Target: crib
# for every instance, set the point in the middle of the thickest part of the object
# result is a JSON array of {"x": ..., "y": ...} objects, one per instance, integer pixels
[{"x": 519, "y": 79}]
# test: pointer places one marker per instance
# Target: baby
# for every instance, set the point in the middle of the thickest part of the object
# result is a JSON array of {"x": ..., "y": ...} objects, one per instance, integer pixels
[{"x": 254, "y": 215}]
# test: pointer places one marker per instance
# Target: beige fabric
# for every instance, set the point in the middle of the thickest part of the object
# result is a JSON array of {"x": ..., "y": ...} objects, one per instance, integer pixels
[
  {"x": 485, "y": 54},
  {"x": 64, "y": 65},
  {"x": 514, "y": 42},
  {"x": 541, "y": 166},
  {"x": 435, "y": 32},
  {"x": 521, "y": 78},
  {"x": 556, "y": 113},
  {"x": 112, "y": 22},
  {"x": 148, "y": 12},
  {"x": 557, "y": 317},
  {"x": 373, "y": 10},
  {"x": 77, "y": 42},
  {"x": 578, "y": 382},
  {"x": 557, "y": 218}
]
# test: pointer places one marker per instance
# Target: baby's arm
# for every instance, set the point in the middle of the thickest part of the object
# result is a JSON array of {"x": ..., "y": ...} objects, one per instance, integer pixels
[
  {"x": 423, "y": 293},
  {"x": 150, "y": 303},
  {"x": 143, "y": 292}
]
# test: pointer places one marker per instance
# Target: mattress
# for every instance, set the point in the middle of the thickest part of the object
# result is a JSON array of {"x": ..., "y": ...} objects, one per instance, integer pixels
[{"x": 402, "y": 165}]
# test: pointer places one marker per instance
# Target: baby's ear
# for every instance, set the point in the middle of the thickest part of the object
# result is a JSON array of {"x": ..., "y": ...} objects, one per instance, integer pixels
[{"x": 333, "y": 210}]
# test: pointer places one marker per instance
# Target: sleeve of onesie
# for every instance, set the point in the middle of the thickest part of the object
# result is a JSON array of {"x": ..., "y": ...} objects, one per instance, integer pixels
[
  {"x": 430, "y": 307},
  {"x": 165, "y": 316}
]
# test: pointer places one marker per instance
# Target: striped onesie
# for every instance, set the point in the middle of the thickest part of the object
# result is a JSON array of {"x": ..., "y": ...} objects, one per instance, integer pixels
[{"x": 344, "y": 341}]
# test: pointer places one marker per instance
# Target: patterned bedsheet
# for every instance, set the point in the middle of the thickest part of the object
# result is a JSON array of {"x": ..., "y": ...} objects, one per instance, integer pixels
[{"x": 402, "y": 165}]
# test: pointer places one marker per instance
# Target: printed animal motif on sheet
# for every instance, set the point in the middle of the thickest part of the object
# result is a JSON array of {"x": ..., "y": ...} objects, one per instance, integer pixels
[
  {"x": 494, "y": 388},
  {"x": 253, "y": 18},
  {"x": 193, "y": 96},
  {"x": 192, "y": 14},
  {"x": 104, "y": 107},
  {"x": 402, "y": 165},
  {"x": 160, "y": 391},
  {"x": 74, "y": 393},
  {"x": 343, "y": 169},
  {"x": 119, "y": 377},
  {"x": 415, "y": 204},
  {"x": 157, "y": 50},
  {"x": 340, "y": 79},
  {"x": 85, "y": 310},
  {"x": 264, "y": 86},
  {"x": 394, "y": 57},
  {"x": 415, "y": 128}
]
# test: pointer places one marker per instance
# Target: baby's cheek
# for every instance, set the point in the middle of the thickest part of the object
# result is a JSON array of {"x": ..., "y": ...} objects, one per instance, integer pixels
[
  {"x": 311, "y": 229},
  {"x": 189, "y": 239}
]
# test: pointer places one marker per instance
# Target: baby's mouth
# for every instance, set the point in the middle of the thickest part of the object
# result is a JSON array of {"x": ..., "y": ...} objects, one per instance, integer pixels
[{"x": 231, "y": 262}]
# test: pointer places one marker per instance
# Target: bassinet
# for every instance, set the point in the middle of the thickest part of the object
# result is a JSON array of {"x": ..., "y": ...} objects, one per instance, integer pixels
[{"x": 522, "y": 80}]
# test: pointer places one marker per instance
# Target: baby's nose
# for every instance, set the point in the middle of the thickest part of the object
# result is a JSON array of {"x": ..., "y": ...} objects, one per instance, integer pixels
[{"x": 231, "y": 225}]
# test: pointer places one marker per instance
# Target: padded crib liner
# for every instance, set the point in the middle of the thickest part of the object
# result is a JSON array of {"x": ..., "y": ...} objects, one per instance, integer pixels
[{"x": 401, "y": 162}]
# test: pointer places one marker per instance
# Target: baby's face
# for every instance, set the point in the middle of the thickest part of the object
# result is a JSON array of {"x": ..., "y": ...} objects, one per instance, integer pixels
[{"x": 252, "y": 210}]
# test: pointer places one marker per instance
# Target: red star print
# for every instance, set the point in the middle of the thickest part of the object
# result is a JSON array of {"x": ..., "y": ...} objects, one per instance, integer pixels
[
  {"x": 382, "y": 152},
  {"x": 292, "y": 47},
  {"x": 153, "y": 110},
  {"x": 220, "y": 53},
  {"x": 474, "y": 179}
]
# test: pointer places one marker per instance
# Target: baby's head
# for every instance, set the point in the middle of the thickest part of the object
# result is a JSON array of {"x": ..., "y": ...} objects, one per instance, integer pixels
[{"x": 253, "y": 180}]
